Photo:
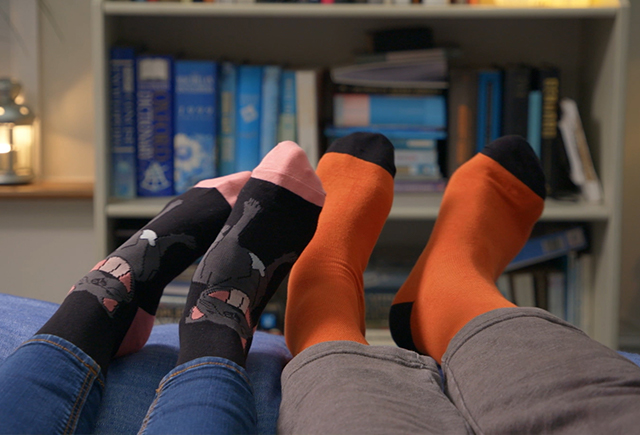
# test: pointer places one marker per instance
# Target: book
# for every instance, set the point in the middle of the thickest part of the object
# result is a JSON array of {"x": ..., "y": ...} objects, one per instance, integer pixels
[
  {"x": 307, "y": 116},
  {"x": 524, "y": 290},
  {"x": 582, "y": 171},
  {"x": 553, "y": 155},
  {"x": 123, "y": 122},
  {"x": 574, "y": 293},
  {"x": 270, "y": 108},
  {"x": 418, "y": 72},
  {"x": 248, "y": 107},
  {"x": 227, "y": 110},
  {"x": 416, "y": 150},
  {"x": 534, "y": 123},
  {"x": 154, "y": 99},
  {"x": 195, "y": 140},
  {"x": 549, "y": 246},
  {"x": 287, "y": 115},
  {"x": 489, "y": 113},
  {"x": 463, "y": 94},
  {"x": 556, "y": 293},
  {"x": 339, "y": 88},
  {"x": 515, "y": 106},
  {"x": 401, "y": 39},
  {"x": 354, "y": 110}
]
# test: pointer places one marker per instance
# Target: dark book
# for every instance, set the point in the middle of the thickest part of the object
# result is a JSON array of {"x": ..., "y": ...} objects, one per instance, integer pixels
[
  {"x": 515, "y": 105},
  {"x": 555, "y": 162},
  {"x": 463, "y": 96},
  {"x": 405, "y": 38},
  {"x": 388, "y": 90}
]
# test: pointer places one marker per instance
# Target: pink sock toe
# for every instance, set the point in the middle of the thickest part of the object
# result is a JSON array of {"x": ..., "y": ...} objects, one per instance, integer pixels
[{"x": 287, "y": 166}]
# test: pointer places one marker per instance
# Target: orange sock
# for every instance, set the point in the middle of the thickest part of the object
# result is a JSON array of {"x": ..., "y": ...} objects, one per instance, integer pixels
[
  {"x": 325, "y": 299},
  {"x": 489, "y": 208}
]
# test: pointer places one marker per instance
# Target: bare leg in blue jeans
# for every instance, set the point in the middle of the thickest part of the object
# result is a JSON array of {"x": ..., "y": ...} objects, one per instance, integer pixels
[
  {"x": 254, "y": 228},
  {"x": 507, "y": 369}
]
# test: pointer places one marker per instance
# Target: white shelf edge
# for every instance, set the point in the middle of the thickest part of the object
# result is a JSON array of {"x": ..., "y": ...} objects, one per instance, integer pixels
[
  {"x": 405, "y": 206},
  {"x": 283, "y": 10}
]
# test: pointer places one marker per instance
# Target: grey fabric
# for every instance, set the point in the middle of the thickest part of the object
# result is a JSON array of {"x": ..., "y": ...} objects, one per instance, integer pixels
[
  {"x": 342, "y": 387},
  {"x": 522, "y": 370}
]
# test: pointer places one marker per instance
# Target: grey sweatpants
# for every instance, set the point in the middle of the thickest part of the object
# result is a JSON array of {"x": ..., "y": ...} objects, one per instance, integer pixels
[{"x": 512, "y": 370}]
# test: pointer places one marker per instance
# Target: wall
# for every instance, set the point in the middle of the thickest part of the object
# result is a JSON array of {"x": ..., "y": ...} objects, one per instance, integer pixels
[
  {"x": 46, "y": 246},
  {"x": 630, "y": 299}
]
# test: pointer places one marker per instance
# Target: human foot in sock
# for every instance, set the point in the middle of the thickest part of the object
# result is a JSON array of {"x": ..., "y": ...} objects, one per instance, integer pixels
[
  {"x": 488, "y": 210},
  {"x": 112, "y": 308},
  {"x": 274, "y": 219},
  {"x": 325, "y": 299}
]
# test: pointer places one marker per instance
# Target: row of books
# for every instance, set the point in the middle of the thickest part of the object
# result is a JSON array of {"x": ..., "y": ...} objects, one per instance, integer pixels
[
  {"x": 175, "y": 122},
  {"x": 521, "y": 3},
  {"x": 552, "y": 272},
  {"x": 485, "y": 104}
]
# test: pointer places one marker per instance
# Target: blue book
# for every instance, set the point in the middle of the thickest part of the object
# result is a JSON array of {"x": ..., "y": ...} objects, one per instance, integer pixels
[
  {"x": 227, "y": 128},
  {"x": 489, "y": 125},
  {"x": 123, "y": 122},
  {"x": 248, "y": 108},
  {"x": 353, "y": 110},
  {"x": 549, "y": 246},
  {"x": 534, "y": 125},
  {"x": 155, "y": 125},
  {"x": 270, "y": 108},
  {"x": 287, "y": 117},
  {"x": 389, "y": 132},
  {"x": 195, "y": 122}
]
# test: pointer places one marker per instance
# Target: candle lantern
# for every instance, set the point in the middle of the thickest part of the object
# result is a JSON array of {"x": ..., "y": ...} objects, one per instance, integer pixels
[{"x": 16, "y": 136}]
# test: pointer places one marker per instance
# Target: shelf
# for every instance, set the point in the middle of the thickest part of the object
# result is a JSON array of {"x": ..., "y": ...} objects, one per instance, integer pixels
[
  {"x": 406, "y": 206},
  {"x": 47, "y": 190},
  {"x": 316, "y": 10}
]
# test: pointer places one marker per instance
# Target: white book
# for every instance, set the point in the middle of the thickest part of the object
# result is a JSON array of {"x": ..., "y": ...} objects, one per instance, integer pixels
[
  {"x": 504, "y": 285},
  {"x": 556, "y": 293},
  {"x": 582, "y": 171},
  {"x": 524, "y": 289},
  {"x": 307, "y": 114}
]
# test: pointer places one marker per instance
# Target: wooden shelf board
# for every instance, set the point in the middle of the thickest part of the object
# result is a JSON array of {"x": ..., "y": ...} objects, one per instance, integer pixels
[
  {"x": 316, "y": 10},
  {"x": 405, "y": 206},
  {"x": 47, "y": 190}
]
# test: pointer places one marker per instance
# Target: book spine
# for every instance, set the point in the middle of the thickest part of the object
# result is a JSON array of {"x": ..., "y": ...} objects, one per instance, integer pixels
[
  {"x": 307, "y": 114},
  {"x": 489, "y": 108},
  {"x": 549, "y": 84},
  {"x": 270, "y": 109},
  {"x": 352, "y": 110},
  {"x": 549, "y": 246},
  {"x": 195, "y": 123},
  {"x": 248, "y": 117},
  {"x": 534, "y": 124},
  {"x": 462, "y": 113},
  {"x": 384, "y": 90},
  {"x": 227, "y": 127},
  {"x": 123, "y": 123},
  {"x": 287, "y": 117},
  {"x": 155, "y": 125},
  {"x": 515, "y": 109}
]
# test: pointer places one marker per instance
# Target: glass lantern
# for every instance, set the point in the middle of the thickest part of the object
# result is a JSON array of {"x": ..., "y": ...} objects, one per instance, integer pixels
[{"x": 16, "y": 136}]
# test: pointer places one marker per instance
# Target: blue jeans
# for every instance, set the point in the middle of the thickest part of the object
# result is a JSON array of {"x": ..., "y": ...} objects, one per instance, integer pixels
[{"x": 73, "y": 395}]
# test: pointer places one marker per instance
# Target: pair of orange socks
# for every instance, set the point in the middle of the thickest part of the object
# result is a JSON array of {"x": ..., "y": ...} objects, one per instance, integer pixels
[{"x": 488, "y": 210}]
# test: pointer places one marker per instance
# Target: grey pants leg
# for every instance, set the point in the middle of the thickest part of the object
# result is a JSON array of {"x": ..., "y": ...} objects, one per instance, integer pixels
[
  {"x": 521, "y": 370},
  {"x": 342, "y": 387}
]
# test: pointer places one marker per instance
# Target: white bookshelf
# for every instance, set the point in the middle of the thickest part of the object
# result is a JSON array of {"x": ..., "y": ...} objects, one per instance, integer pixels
[{"x": 587, "y": 44}]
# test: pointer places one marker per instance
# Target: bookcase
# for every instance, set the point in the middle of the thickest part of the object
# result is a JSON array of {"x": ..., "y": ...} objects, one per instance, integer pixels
[{"x": 587, "y": 44}]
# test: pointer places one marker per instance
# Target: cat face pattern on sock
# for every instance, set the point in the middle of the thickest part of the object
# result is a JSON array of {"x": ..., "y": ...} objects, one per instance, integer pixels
[
  {"x": 228, "y": 299},
  {"x": 112, "y": 281}
]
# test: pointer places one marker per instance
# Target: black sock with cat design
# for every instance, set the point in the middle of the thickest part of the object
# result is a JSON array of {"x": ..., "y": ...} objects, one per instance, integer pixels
[{"x": 274, "y": 219}]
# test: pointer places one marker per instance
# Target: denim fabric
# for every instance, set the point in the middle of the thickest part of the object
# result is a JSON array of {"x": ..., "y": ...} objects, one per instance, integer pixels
[
  {"x": 132, "y": 380},
  {"x": 205, "y": 396},
  {"x": 49, "y": 386}
]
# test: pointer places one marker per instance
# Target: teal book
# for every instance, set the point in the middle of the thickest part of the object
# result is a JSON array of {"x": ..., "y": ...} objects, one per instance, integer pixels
[
  {"x": 534, "y": 126},
  {"x": 287, "y": 117},
  {"x": 195, "y": 122},
  {"x": 248, "y": 107},
  {"x": 227, "y": 126},
  {"x": 269, "y": 108},
  {"x": 489, "y": 123}
]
